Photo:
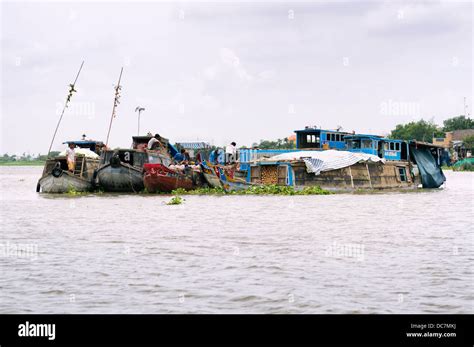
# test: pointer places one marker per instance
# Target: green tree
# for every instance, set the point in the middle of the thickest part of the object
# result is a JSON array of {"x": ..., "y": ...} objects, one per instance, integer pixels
[
  {"x": 278, "y": 144},
  {"x": 458, "y": 123},
  {"x": 421, "y": 131},
  {"x": 469, "y": 142}
]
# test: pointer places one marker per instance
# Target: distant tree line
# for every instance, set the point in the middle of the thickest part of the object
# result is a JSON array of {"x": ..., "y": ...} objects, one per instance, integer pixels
[
  {"x": 423, "y": 130},
  {"x": 5, "y": 158},
  {"x": 278, "y": 144}
]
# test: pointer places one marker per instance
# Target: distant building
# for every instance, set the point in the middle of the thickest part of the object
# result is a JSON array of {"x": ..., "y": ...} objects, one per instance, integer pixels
[
  {"x": 453, "y": 141},
  {"x": 452, "y": 137},
  {"x": 191, "y": 147}
]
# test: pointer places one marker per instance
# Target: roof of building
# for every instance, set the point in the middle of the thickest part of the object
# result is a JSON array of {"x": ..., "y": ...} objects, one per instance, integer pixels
[
  {"x": 308, "y": 130},
  {"x": 372, "y": 137},
  {"x": 194, "y": 145},
  {"x": 84, "y": 142},
  {"x": 424, "y": 144},
  {"x": 459, "y": 135}
]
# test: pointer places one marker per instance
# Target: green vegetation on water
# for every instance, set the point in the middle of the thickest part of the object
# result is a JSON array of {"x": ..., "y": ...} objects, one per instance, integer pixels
[
  {"x": 175, "y": 200},
  {"x": 199, "y": 191},
  {"x": 466, "y": 164},
  {"x": 73, "y": 192},
  {"x": 271, "y": 189}
]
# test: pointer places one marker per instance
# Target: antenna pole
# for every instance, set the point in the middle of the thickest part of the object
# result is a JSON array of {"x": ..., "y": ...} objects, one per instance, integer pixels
[
  {"x": 118, "y": 87},
  {"x": 138, "y": 132},
  {"x": 68, "y": 99}
]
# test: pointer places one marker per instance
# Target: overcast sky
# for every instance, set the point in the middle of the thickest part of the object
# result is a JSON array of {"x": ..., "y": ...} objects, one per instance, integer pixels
[{"x": 229, "y": 72}]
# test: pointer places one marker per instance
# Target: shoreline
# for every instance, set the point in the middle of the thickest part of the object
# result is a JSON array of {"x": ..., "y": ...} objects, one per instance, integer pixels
[{"x": 23, "y": 163}]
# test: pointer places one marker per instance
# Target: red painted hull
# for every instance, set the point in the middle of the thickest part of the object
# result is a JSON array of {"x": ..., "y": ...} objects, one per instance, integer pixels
[{"x": 159, "y": 178}]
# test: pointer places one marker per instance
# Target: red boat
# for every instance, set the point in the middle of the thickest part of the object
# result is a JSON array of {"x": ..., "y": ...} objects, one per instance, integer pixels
[{"x": 159, "y": 178}]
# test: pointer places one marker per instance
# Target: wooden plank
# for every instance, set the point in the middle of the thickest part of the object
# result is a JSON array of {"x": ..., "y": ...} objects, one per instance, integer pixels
[
  {"x": 368, "y": 173},
  {"x": 82, "y": 166},
  {"x": 352, "y": 178}
]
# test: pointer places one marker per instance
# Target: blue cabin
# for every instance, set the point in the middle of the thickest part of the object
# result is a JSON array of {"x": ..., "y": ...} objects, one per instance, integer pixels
[
  {"x": 313, "y": 138},
  {"x": 382, "y": 147}
]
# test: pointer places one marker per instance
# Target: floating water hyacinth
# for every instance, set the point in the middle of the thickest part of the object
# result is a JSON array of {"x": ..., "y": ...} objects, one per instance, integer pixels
[
  {"x": 271, "y": 189},
  {"x": 175, "y": 200}
]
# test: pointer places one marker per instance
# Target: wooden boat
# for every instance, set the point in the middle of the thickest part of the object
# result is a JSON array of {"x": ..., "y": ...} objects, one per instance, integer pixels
[
  {"x": 211, "y": 174},
  {"x": 367, "y": 175},
  {"x": 122, "y": 170},
  {"x": 159, "y": 178},
  {"x": 232, "y": 183},
  {"x": 224, "y": 176},
  {"x": 393, "y": 165},
  {"x": 57, "y": 179}
]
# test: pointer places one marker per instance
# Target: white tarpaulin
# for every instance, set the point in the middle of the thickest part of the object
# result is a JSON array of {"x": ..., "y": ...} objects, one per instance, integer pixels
[
  {"x": 320, "y": 161},
  {"x": 84, "y": 151}
]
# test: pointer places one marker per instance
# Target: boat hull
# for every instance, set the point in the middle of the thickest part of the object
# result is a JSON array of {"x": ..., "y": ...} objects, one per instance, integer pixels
[
  {"x": 161, "y": 183},
  {"x": 65, "y": 183},
  {"x": 210, "y": 175},
  {"x": 122, "y": 178},
  {"x": 393, "y": 175},
  {"x": 235, "y": 185},
  {"x": 220, "y": 177},
  {"x": 160, "y": 178}
]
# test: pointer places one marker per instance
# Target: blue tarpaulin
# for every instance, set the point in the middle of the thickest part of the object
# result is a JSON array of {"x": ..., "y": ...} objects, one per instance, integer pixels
[{"x": 431, "y": 174}]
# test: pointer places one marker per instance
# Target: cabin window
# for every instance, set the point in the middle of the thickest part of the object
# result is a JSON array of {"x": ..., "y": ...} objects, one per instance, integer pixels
[
  {"x": 338, "y": 137},
  {"x": 392, "y": 146},
  {"x": 366, "y": 143},
  {"x": 355, "y": 144},
  {"x": 385, "y": 146},
  {"x": 403, "y": 174},
  {"x": 397, "y": 146},
  {"x": 328, "y": 137},
  {"x": 310, "y": 138}
]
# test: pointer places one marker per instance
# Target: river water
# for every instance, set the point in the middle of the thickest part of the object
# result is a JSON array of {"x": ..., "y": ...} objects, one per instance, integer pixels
[{"x": 344, "y": 253}]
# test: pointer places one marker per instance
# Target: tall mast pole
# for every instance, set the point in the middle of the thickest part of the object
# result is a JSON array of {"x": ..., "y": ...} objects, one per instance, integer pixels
[
  {"x": 68, "y": 99},
  {"x": 139, "y": 113},
  {"x": 118, "y": 87}
]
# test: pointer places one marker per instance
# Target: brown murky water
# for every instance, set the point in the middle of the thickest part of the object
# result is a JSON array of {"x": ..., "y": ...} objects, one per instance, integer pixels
[{"x": 379, "y": 253}]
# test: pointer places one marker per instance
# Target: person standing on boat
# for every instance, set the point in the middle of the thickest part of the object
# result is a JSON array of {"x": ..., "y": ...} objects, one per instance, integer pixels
[
  {"x": 198, "y": 158},
  {"x": 71, "y": 157},
  {"x": 230, "y": 153},
  {"x": 154, "y": 142},
  {"x": 213, "y": 157}
]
